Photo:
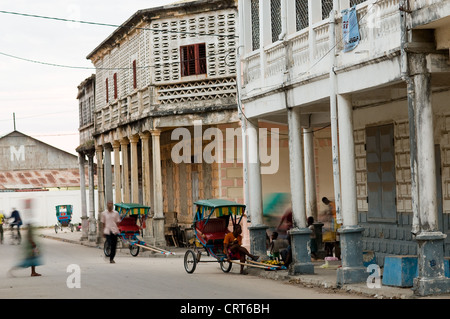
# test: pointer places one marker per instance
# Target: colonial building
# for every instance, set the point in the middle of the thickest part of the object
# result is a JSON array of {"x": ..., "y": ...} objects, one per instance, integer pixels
[
  {"x": 168, "y": 68},
  {"x": 377, "y": 72},
  {"x": 86, "y": 102}
]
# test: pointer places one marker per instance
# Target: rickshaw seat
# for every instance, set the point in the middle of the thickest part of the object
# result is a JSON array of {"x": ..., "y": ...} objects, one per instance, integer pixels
[
  {"x": 214, "y": 230},
  {"x": 128, "y": 225}
]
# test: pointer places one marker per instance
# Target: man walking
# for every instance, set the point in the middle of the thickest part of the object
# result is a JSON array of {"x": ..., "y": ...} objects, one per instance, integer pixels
[{"x": 111, "y": 219}]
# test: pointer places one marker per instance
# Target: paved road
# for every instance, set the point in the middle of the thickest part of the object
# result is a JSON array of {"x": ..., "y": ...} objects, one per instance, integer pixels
[{"x": 134, "y": 277}]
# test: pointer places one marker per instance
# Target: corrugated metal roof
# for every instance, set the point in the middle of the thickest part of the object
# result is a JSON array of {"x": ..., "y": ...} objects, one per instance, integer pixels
[{"x": 33, "y": 179}]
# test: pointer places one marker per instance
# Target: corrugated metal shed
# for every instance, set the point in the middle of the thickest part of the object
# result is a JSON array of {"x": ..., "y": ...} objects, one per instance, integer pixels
[
  {"x": 29, "y": 164},
  {"x": 37, "y": 179}
]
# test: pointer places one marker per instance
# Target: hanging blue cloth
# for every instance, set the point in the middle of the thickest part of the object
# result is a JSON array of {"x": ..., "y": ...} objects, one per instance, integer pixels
[{"x": 350, "y": 29}]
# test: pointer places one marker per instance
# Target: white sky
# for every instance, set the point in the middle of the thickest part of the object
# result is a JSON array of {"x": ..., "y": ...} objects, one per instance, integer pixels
[{"x": 42, "y": 97}]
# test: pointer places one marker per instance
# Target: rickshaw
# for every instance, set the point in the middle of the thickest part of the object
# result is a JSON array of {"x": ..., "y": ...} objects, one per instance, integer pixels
[
  {"x": 210, "y": 224},
  {"x": 64, "y": 216},
  {"x": 132, "y": 221}
]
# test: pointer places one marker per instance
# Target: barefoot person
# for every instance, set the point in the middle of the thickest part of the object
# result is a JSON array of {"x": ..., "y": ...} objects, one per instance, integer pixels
[{"x": 233, "y": 249}]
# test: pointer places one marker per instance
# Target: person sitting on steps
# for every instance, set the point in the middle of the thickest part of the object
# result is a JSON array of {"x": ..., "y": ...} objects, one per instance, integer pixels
[{"x": 233, "y": 249}]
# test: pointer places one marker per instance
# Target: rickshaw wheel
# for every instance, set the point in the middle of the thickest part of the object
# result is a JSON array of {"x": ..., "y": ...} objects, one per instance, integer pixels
[
  {"x": 134, "y": 250},
  {"x": 225, "y": 265},
  {"x": 190, "y": 261},
  {"x": 71, "y": 227},
  {"x": 56, "y": 229},
  {"x": 107, "y": 249}
]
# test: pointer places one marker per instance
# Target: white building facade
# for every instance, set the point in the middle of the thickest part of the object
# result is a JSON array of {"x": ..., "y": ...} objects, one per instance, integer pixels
[{"x": 384, "y": 94}]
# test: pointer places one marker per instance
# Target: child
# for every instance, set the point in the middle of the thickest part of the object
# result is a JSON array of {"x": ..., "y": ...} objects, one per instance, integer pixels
[{"x": 312, "y": 240}]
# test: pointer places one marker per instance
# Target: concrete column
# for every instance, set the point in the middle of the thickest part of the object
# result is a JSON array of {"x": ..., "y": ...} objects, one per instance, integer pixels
[
  {"x": 300, "y": 234},
  {"x": 158, "y": 216},
  {"x": 310, "y": 173},
  {"x": 430, "y": 240},
  {"x": 92, "y": 220},
  {"x": 108, "y": 173},
  {"x": 245, "y": 26},
  {"x": 265, "y": 35},
  {"x": 84, "y": 217},
  {"x": 117, "y": 174},
  {"x": 125, "y": 170},
  {"x": 352, "y": 270},
  {"x": 134, "y": 169},
  {"x": 257, "y": 228},
  {"x": 101, "y": 197},
  {"x": 145, "y": 137}
]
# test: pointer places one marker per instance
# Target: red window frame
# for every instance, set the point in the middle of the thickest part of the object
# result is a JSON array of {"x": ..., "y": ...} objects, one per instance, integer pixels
[
  {"x": 134, "y": 74},
  {"x": 115, "y": 86},
  {"x": 107, "y": 90},
  {"x": 193, "y": 59}
]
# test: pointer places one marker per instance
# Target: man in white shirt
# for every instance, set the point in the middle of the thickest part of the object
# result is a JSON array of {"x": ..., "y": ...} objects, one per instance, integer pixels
[{"x": 111, "y": 219}]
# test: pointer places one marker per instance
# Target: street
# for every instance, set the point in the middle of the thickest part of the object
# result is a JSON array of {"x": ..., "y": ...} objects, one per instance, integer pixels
[{"x": 134, "y": 277}]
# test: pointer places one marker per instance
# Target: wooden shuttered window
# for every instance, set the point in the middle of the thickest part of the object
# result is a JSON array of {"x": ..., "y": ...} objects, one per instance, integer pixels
[
  {"x": 115, "y": 86},
  {"x": 107, "y": 90},
  {"x": 193, "y": 59},
  {"x": 134, "y": 75},
  {"x": 381, "y": 183}
]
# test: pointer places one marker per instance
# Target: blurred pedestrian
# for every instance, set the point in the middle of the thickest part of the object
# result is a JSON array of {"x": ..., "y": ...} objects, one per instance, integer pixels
[
  {"x": 16, "y": 222},
  {"x": 31, "y": 257},
  {"x": 286, "y": 223},
  {"x": 111, "y": 219}
]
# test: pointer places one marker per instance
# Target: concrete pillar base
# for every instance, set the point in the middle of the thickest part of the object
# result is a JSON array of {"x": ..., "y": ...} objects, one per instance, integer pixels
[
  {"x": 258, "y": 240},
  {"x": 158, "y": 231},
  {"x": 352, "y": 270},
  {"x": 92, "y": 233},
  {"x": 431, "y": 279},
  {"x": 301, "y": 259},
  {"x": 84, "y": 228},
  {"x": 431, "y": 286}
]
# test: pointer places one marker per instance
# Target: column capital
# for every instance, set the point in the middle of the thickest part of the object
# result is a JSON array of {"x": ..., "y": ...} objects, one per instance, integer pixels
[
  {"x": 144, "y": 135},
  {"x": 134, "y": 138},
  {"x": 90, "y": 153},
  {"x": 155, "y": 132},
  {"x": 99, "y": 148},
  {"x": 124, "y": 141},
  {"x": 116, "y": 144}
]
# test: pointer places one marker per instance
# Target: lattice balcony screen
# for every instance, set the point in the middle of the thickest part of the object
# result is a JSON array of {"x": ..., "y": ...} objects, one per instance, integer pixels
[
  {"x": 301, "y": 8},
  {"x": 356, "y": 2},
  {"x": 255, "y": 24},
  {"x": 327, "y": 6},
  {"x": 219, "y": 50},
  {"x": 275, "y": 11}
]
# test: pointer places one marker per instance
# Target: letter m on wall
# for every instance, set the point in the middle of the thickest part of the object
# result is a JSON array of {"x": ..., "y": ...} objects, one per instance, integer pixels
[
  {"x": 17, "y": 154},
  {"x": 381, "y": 183}
]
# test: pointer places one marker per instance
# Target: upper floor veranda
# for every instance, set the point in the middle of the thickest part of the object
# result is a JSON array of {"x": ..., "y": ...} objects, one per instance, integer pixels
[
  {"x": 287, "y": 43},
  {"x": 166, "y": 61}
]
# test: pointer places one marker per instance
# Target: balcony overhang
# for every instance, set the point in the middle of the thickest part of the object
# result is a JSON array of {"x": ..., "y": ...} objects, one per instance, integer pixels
[{"x": 431, "y": 16}]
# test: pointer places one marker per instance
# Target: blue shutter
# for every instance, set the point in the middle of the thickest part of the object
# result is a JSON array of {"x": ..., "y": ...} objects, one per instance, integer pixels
[
  {"x": 381, "y": 184},
  {"x": 373, "y": 173}
]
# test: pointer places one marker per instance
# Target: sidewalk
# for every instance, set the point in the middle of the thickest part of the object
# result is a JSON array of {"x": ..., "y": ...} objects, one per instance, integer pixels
[{"x": 323, "y": 278}]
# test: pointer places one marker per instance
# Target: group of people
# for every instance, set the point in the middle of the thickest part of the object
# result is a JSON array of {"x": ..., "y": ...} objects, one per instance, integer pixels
[{"x": 280, "y": 246}]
